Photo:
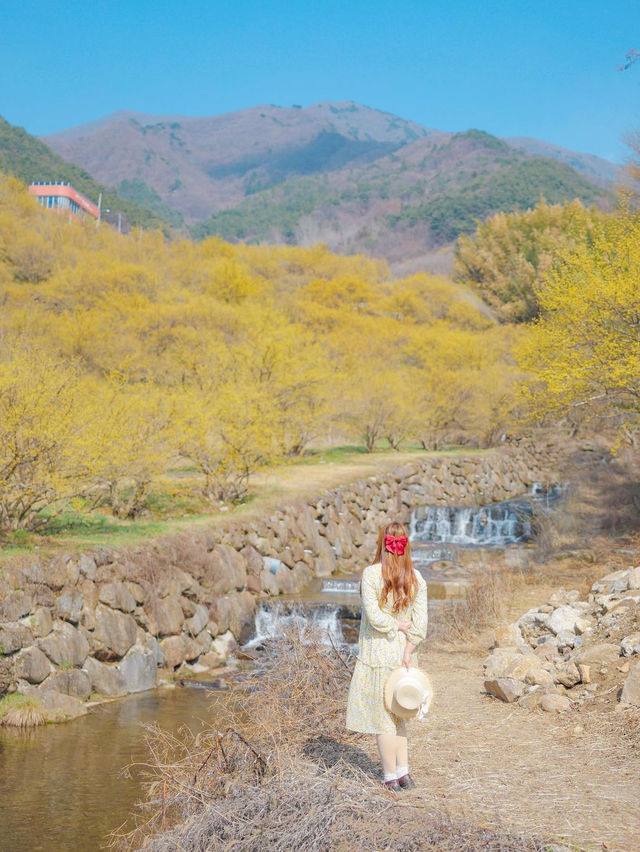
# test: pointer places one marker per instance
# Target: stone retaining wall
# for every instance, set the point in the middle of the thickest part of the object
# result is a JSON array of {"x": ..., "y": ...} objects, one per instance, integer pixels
[{"x": 106, "y": 622}]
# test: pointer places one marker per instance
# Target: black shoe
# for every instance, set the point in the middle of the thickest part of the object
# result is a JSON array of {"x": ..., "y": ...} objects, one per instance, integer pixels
[
  {"x": 392, "y": 785},
  {"x": 406, "y": 782}
]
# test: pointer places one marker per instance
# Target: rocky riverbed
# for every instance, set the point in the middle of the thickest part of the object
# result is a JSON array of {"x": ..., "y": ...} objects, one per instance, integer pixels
[
  {"x": 83, "y": 627},
  {"x": 567, "y": 652}
]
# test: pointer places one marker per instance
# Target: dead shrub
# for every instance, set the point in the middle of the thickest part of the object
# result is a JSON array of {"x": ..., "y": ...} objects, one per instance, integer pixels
[
  {"x": 285, "y": 774},
  {"x": 482, "y": 606}
]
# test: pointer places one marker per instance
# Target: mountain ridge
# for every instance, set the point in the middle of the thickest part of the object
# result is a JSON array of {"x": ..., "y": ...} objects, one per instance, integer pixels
[{"x": 357, "y": 178}]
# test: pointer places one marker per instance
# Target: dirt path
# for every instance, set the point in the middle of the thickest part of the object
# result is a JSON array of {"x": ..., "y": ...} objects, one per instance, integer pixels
[{"x": 534, "y": 772}]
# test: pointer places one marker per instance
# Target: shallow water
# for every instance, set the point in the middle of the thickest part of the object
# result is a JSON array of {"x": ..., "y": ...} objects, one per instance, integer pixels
[{"x": 61, "y": 786}]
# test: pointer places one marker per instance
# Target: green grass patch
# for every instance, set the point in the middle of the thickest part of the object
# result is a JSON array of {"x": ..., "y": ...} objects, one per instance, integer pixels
[
  {"x": 16, "y": 701},
  {"x": 176, "y": 501}
]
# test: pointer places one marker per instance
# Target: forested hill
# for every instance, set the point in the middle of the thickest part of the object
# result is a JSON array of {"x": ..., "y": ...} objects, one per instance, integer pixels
[
  {"x": 359, "y": 179},
  {"x": 29, "y": 159},
  {"x": 417, "y": 199}
]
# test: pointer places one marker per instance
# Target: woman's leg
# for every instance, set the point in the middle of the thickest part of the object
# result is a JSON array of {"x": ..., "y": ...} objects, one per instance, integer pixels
[
  {"x": 405, "y": 781},
  {"x": 387, "y": 751},
  {"x": 402, "y": 750}
]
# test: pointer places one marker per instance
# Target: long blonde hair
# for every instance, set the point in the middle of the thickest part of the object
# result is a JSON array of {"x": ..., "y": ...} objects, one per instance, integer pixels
[{"x": 397, "y": 571}]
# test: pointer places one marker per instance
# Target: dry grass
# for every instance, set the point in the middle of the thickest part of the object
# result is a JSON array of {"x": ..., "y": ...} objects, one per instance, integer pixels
[
  {"x": 483, "y": 606},
  {"x": 20, "y": 711},
  {"x": 286, "y": 775}
]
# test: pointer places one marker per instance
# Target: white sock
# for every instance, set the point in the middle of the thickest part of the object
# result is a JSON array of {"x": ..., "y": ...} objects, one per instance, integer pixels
[
  {"x": 401, "y": 771},
  {"x": 389, "y": 776}
]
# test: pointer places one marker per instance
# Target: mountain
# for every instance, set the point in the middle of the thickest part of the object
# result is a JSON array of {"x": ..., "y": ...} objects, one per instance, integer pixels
[
  {"x": 596, "y": 169},
  {"x": 198, "y": 165},
  {"x": 354, "y": 177},
  {"x": 29, "y": 159},
  {"x": 404, "y": 205}
]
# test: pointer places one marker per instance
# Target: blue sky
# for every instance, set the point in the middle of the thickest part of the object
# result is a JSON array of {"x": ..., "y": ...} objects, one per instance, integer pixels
[{"x": 518, "y": 68}]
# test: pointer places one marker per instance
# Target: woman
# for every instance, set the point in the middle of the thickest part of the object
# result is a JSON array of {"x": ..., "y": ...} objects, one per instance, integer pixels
[{"x": 394, "y": 621}]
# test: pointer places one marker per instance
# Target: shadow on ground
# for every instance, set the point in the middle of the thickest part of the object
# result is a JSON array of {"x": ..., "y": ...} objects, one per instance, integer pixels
[{"x": 329, "y": 751}]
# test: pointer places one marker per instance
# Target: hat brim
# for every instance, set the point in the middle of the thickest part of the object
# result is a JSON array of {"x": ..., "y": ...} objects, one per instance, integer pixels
[{"x": 389, "y": 688}]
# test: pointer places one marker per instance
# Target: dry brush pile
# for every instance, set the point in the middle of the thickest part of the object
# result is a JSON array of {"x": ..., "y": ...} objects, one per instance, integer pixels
[{"x": 285, "y": 774}]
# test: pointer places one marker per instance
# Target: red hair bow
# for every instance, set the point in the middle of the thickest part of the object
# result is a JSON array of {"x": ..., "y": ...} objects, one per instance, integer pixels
[{"x": 395, "y": 544}]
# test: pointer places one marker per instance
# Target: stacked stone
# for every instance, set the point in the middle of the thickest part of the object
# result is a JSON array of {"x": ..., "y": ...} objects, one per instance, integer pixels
[
  {"x": 105, "y": 622},
  {"x": 555, "y": 654}
]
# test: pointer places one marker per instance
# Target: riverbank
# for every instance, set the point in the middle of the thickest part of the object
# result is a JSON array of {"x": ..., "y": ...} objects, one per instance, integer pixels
[
  {"x": 110, "y": 622},
  {"x": 489, "y": 775}
]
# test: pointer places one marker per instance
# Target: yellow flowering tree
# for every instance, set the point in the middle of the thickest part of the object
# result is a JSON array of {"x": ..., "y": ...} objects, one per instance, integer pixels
[{"x": 584, "y": 351}]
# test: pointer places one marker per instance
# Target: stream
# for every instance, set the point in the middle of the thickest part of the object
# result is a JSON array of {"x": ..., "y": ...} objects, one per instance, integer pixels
[{"x": 62, "y": 786}]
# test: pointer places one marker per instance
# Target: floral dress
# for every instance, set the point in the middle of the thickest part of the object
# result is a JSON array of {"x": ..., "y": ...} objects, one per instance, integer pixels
[{"x": 380, "y": 650}]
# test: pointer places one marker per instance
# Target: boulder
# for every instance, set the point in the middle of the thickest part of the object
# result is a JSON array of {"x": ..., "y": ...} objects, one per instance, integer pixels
[
  {"x": 566, "y": 639},
  {"x": 309, "y": 530},
  {"x": 599, "y": 654},
  {"x": 61, "y": 571},
  {"x": 65, "y": 645},
  {"x": 585, "y": 673},
  {"x": 16, "y": 605},
  {"x": 139, "y": 670},
  {"x": 552, "y": 703},
  {"x": 504, "y": 663},
  {"x": 633, "y": 579},
  {"x": 69, "y": 605},
  {"x": 188, "y": 606},
  {"x": 115, "y": 633},
  {"x": 13, "y": 637},
  {"x": 75, "y": 682},
  {"x": 241, "y": 616},
  {"x": 567, "y": 674},
  {"x": 42, "y": 622},
  {"x": 631, "y": 689},
  {"x": 87, "y": 566},
  {"x": 508, "y": 636},
  {"x": 152, "y": 644},
  {"x": 174, "y": 649},
  {"x": 117, "y": 596},
  {"x": 505, "y": 688},
  {"x": 219, "y": 612},
  {"x": 32, "y": 665},
  {"x": 136, "y": 591},
  {"x": 617, "y": 581},
  {"x": 6, "y": 675},
  {"x": 546, "y": 651},
  {"x": 561, "y": 597},
  {"x": 58, "y": 707},
  {"x": 630, "y": 645},
  {"x": 198, "y": 620},
  {"x": 226, "y": 570},
  {"x": 326, "y": 561},
  {"x": 203, "y": 641},
  {"x": 531, "y": 700},
  {"x": 254, "y": 584},
  {"x": 165, "y": 615},
  {"x": 224, "y": 645},
  {"x": 105, "y": 679},
  {"x": 253, "y": 560},
  {"x": 302, "y": 576},
  {"x": 563, "y": 619},
  {"x": 192, "y": 649},
  {"x": 211, "y": 660}
]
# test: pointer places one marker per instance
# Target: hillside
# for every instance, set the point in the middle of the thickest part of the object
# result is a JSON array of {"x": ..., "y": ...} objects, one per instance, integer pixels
[
  {"x": 356, "y": 178},
  {"x": 199, "y": 165},
  {"x": 29, "y": 159},
  {"x": 408, "y": 203}
]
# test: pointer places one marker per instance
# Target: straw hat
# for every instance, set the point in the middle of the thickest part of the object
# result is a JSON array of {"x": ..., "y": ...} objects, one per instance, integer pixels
[{"x": 408, "y": 693}]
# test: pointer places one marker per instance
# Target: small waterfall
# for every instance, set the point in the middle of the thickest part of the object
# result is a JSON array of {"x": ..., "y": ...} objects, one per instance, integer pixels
[
  {"x": 474, "y": 526},
  {"x": 341, "y": 586},
  {"x": 270, "y": 621}
]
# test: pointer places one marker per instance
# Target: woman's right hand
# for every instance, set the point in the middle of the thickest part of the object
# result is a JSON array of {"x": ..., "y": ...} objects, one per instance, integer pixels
[{"x": 404, "y": 627}]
